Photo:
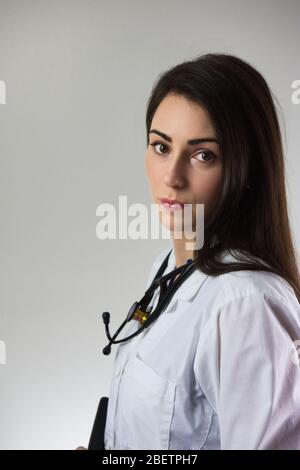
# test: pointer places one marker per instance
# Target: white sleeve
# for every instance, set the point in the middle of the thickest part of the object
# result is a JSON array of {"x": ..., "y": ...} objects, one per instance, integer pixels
[{"x": 257, "y": 373}]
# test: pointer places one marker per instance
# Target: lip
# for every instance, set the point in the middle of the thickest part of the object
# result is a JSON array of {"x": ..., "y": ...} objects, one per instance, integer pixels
[{"x": 171, "y": 203}]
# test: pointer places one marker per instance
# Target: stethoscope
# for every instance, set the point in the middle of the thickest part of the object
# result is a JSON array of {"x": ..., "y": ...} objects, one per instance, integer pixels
[{"x": 140, "y": 311}]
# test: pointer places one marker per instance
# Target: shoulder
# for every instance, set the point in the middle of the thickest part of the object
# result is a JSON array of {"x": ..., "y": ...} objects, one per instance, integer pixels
[
  {"x": 243, "y": 292},
  {"x": 247, "y": 310},
  {"x": 247, "y": 300},
  {"x": 247, "y": 283}
]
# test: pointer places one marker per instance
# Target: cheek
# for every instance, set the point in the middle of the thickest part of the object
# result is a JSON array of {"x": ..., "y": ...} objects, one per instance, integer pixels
[
  {"x": 147, "y": 164},
  {"x": 207, "y": 188},
  {"x": 152, "y": 171}
]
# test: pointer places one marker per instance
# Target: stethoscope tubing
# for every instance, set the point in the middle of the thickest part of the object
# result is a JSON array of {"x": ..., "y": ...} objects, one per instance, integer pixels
[{"x": 166, "y": 294}]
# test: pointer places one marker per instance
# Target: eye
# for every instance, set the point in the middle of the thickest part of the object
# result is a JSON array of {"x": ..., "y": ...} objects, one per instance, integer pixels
[
  {"x": 160, "y": 144},
  {"x": 206, "y": 155}
]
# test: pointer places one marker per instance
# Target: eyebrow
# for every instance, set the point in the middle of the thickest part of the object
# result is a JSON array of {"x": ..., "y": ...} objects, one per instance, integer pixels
[{"x": 189, "y": 142}]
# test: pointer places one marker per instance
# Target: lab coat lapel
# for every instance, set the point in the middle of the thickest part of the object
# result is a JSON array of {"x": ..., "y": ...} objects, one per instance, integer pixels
[{"x": 187, "y": 290}]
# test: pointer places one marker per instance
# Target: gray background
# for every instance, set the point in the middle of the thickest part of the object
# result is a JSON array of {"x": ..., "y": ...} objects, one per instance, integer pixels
[{"x": 72, "y": 135}]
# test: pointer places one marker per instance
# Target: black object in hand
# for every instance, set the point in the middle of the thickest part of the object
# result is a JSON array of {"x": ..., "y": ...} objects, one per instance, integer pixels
[{"x": 97, "y": 435}]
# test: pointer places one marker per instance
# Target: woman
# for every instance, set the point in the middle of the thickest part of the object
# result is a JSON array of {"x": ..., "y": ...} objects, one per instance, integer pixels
[{"x": 219, "y": 368}]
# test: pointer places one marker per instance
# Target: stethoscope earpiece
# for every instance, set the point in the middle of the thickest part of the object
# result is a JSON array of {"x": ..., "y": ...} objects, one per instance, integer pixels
[
  {"x": 106, "y": 317},
  {"x": 107, "y": 350}
]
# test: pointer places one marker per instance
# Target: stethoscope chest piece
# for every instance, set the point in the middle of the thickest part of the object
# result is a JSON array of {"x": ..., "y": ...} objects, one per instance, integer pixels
[{"x": 136, "y": 313}]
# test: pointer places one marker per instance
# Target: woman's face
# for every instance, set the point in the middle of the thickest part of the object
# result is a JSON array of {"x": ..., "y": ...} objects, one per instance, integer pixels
[{"x": 188, "y": 172}]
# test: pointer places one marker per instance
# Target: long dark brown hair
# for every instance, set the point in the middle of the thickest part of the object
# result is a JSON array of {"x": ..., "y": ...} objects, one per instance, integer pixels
[{"x": 251, "y": 214}]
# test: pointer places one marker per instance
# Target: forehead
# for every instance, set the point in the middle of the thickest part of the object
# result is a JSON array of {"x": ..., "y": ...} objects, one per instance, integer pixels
[{"x": 176, "y": 115}]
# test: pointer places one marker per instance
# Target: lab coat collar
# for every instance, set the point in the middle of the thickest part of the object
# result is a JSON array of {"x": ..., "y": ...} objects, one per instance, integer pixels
[{"x": 187, "y": 291}]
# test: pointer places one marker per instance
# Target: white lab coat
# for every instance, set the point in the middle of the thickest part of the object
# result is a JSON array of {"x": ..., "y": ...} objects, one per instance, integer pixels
[{"x": 217, "y": 370}]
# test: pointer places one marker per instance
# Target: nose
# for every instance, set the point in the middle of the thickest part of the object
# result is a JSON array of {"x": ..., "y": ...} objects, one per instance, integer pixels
[{"x": 175, "y": 175}]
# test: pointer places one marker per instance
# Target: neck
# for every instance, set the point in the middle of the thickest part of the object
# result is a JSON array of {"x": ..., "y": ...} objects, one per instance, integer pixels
[{"x": 180, "y": 251}]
